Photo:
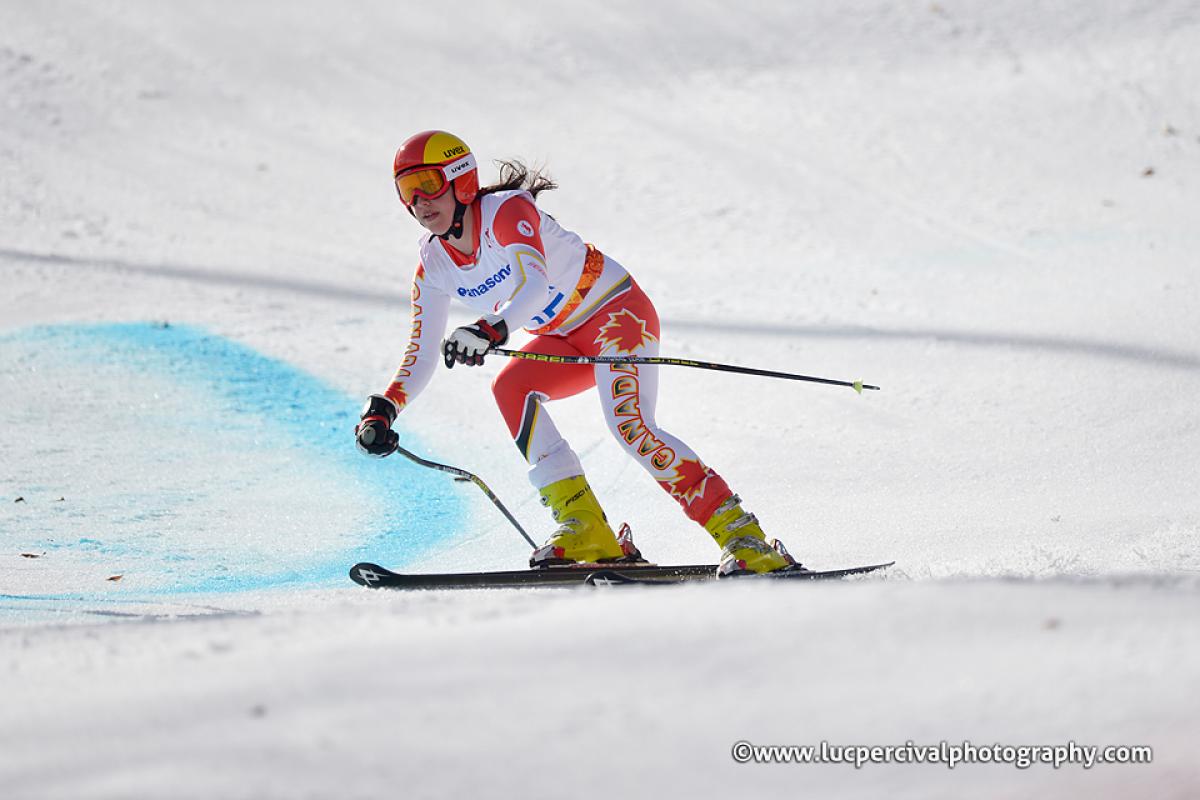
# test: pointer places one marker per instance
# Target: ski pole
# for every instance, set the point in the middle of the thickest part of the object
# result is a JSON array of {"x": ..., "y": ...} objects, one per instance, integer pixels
[
  {"x": 857, "y": 386},
  {"x": 464, "y": 476}
]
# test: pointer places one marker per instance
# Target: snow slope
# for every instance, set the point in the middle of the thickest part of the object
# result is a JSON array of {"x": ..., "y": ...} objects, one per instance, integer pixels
[{"x": 987, "y": 209}]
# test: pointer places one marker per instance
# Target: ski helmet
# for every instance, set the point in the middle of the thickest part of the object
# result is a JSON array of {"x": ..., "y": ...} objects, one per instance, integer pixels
[{"x": 430, "y": 162}]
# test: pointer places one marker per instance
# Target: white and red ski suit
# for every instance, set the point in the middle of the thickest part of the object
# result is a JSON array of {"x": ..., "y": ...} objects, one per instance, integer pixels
[{"x": 536, "y": 274}]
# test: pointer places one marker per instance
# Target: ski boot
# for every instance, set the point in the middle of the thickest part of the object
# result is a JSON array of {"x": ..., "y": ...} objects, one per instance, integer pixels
[
  {"x": 583, "y": 533},
  {"x": 744, "y": 547}
]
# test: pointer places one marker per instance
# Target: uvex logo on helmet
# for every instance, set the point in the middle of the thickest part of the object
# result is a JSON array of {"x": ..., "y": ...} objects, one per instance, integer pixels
[{"x": 443, "y": 151}]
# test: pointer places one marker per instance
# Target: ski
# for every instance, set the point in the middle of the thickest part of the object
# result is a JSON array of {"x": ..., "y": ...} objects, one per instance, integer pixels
[
  {"x": 617, "y": 577},
  {"x": 374, "y": 576}
]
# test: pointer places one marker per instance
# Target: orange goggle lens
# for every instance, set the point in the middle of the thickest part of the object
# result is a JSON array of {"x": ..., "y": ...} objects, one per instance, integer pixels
[{"x": 428, "y": 183}]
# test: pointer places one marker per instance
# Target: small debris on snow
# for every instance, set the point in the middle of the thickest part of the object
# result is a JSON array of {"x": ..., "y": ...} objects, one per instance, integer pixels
[
  {"x": 1147, "y": 172},
  {"x": 19, "y": 500},
  {"x": 115, "y": 578},
  {"x": 32, "y": 555},
  {"x": 1052, "y": 624}
]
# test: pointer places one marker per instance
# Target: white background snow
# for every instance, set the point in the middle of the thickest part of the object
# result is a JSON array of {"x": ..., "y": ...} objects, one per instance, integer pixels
[{"x": 989, "y": 209}]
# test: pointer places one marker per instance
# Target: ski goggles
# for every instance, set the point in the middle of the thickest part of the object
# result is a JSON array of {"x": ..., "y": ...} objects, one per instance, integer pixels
[{"x": 431, "y": 182}]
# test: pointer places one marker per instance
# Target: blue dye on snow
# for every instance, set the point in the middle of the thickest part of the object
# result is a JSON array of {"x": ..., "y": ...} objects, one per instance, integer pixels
[{"x": 225, "y": 378}]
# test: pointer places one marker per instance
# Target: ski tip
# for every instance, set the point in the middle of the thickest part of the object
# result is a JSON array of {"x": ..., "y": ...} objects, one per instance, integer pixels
[
  {"x": 367, "y": 574},
  {"x": 873, "y": 567}
]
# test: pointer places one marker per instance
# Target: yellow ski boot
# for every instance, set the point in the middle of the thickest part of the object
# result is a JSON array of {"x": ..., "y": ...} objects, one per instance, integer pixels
[
  {"x": 583, "y": 533},
  {"x": 744, "y": 547}
]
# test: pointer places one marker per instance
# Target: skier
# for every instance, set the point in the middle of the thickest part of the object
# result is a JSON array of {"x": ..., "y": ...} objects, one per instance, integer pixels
[{"x": 494, "y": 250}]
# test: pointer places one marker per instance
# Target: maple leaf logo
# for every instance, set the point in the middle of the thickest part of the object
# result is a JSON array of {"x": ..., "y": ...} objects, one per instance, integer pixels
[
  {"x": 690, "y": 481},
  {"x": 623, "y": 332}
]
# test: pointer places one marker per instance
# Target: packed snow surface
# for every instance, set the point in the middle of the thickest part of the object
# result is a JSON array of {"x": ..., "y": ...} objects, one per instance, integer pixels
[{"x": 988, "y": 209}]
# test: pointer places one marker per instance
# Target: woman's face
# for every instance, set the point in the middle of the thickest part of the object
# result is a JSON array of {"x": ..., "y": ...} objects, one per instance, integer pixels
[{"x": 436, "y": 215}]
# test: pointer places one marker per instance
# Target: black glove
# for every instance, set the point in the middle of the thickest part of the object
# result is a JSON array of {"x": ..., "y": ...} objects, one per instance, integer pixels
[
  {"x": 468, "y": 344},
  {"x": 374, "y": 435}
]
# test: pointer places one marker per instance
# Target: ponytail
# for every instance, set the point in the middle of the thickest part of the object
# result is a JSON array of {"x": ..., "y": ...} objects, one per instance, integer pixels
[{"x": 515, "y": 175}]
